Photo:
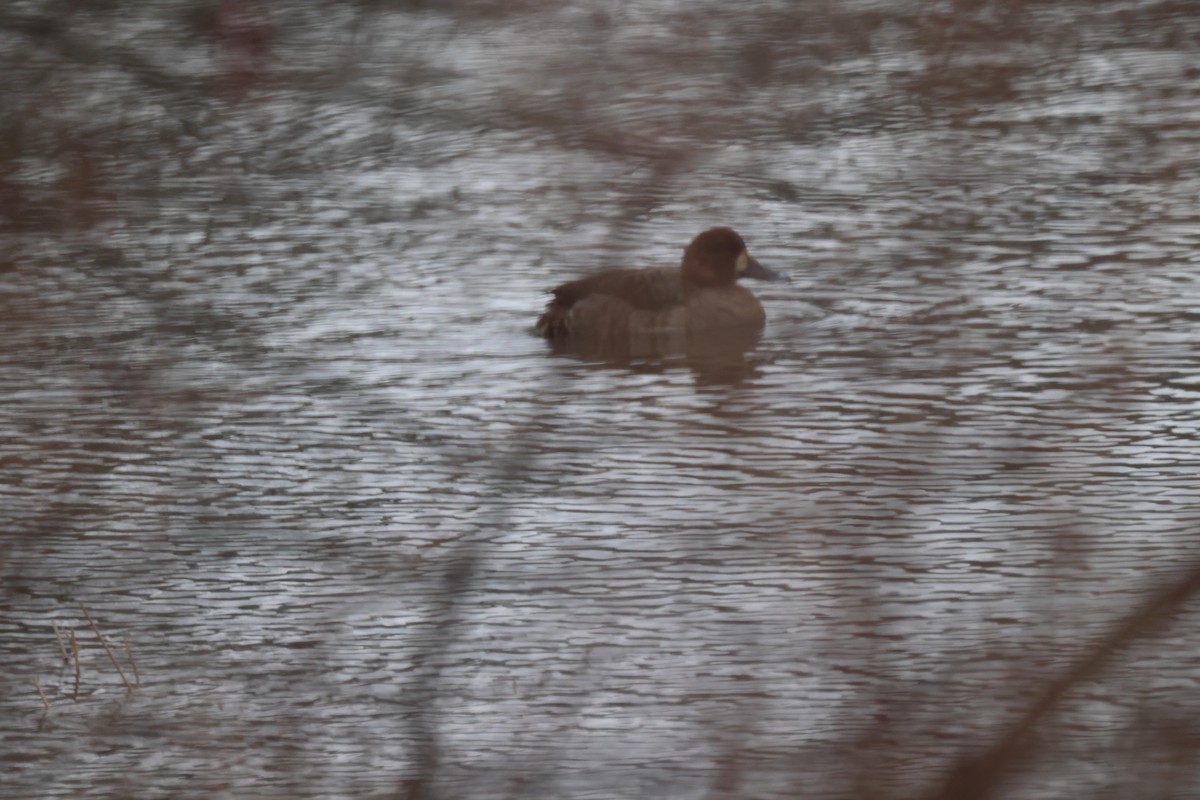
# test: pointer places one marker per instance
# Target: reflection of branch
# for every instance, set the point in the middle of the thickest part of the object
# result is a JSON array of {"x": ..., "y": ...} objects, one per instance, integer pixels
[
  {"x": 51, "y": 33},
  {"x": 447, "y": 615},
  {"x": 455, "y": 584},
  {"x": 978, "y": 778}
]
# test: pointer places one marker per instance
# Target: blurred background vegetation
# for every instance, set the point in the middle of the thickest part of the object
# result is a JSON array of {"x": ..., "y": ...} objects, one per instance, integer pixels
[{"x": 273, "y": 411}]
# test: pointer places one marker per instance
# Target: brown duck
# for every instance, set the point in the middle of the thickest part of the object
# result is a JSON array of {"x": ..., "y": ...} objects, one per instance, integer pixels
[{"x": 657, "y": 310}]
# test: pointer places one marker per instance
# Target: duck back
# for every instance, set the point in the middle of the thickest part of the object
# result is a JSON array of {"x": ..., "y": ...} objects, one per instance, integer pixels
[{"x": 608, "y": 301}]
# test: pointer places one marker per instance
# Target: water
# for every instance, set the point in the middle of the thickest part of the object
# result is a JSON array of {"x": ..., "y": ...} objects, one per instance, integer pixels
[{"x": 274, "y": 411}]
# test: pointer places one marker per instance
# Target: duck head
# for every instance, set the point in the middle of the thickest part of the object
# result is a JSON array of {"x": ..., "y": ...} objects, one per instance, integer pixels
[{"x": 718, "y": 257}]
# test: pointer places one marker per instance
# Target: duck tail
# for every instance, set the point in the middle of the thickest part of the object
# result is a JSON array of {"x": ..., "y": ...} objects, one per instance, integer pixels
[{"x": 552, "y": 324}]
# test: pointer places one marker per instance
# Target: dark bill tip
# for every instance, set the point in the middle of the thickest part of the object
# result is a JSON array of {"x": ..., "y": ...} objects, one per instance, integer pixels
[{"x": 759, "y": 272}]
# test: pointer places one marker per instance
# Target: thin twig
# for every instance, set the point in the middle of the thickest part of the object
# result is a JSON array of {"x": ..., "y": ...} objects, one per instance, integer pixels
[
  {"x": 107, "y": 649},
  {"x": 137, "y": 677},
  {"x": 979, "y": 777},
  {"x": 37, "y": 685}
]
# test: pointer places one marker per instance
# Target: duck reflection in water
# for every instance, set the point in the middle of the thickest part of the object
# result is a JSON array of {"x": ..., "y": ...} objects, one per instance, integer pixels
[{"x": 697, "y": 310}]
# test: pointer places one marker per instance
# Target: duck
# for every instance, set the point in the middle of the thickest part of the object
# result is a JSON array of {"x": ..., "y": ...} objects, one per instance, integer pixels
[{"x": 651, "y": 310}]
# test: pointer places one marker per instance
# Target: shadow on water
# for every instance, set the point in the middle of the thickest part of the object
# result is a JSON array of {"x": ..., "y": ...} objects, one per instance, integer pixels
[{"x": 273, "y": 415}]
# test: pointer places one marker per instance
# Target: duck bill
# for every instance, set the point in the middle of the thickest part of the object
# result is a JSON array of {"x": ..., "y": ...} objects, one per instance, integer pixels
[{"x": 757, "y": 271}]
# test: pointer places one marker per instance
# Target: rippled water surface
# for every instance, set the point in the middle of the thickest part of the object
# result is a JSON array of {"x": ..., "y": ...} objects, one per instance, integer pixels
[{"x": 275, "y": 414}]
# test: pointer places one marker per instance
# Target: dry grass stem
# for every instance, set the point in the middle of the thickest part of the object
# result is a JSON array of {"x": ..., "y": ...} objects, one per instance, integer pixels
[
  {"x": 75, "y": 650},
  {"x": 107, "y": 649},
  {"x": 137, "y": 676},
  {"x": 62, "y": 645},
  {"x": 37, "y": 685}
]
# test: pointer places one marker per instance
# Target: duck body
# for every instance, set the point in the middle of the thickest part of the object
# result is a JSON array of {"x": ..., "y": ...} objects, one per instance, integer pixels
[{"x": 633, "y": 312}]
